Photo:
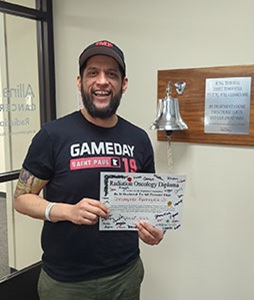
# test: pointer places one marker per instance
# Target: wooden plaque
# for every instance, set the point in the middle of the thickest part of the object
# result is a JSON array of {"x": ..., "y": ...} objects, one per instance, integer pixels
[{"x": 192, "y": 104}]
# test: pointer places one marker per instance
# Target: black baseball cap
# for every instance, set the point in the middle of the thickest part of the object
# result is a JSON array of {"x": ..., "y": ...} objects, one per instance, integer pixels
[{"x": 103, "y": 48}]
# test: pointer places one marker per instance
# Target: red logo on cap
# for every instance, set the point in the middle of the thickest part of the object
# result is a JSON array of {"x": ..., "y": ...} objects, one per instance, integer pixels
[{"x": 106, "y": 44}]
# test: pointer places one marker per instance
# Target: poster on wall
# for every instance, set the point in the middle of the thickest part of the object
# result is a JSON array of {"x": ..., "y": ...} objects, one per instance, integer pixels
[{"x": 227, "y": 105}]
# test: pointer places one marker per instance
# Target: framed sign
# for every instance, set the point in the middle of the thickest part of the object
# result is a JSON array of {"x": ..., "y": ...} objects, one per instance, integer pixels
[{"x": 217, "y": 104}]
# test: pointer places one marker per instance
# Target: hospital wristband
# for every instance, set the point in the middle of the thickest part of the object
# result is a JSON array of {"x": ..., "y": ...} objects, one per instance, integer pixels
[{"x": 47, "y": 210}]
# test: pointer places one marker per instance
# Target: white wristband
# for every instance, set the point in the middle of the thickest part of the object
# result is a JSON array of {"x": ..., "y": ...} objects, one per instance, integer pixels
[{"x": 47, "y": 210}]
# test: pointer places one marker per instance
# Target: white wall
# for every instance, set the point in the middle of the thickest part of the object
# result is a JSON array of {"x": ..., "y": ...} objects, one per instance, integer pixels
[{"x": 211, "y": 256}]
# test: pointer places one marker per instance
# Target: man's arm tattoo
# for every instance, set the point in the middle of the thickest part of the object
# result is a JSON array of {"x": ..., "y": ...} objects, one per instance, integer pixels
[{"x": 28, "y": 184}]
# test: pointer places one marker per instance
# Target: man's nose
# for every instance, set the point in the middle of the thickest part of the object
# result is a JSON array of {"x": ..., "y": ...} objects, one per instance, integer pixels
[{"x": 102, "y": 78}]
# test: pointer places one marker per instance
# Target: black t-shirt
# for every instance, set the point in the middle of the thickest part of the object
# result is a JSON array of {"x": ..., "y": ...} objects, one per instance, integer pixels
[{"x": 71, "y": 152}]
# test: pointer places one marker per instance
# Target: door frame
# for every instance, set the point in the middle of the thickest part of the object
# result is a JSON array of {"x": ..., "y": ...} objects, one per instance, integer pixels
[{"x": 43, "y": 14}]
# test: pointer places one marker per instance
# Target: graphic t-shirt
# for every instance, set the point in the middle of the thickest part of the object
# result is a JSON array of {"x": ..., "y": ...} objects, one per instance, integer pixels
[{"x": 71, "y": 152}]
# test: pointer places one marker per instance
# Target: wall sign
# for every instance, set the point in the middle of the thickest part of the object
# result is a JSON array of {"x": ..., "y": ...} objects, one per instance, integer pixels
[
  {"x": 227, "y": 105},
  {"x": 213, "y": 93}
]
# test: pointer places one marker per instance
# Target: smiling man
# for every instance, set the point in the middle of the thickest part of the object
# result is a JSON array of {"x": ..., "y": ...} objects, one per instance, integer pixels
[{"x": 65, "y": 158}]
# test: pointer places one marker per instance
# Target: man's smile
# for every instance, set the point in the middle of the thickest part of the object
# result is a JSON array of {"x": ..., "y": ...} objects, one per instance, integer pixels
[{"x": 101, "y": 93}]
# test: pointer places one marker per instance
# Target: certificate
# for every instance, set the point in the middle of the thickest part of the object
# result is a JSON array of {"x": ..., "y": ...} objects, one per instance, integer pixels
[{"x": 132, "y": 197}]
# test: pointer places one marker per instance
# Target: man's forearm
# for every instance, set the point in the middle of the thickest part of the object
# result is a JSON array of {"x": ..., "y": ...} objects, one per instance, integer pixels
[{"x": 31, "y": 205}]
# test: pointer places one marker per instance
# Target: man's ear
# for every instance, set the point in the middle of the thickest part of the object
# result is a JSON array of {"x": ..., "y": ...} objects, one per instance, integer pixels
[
  {"x": 124, "y": 85},
  {"x": 79, "y": 82}
]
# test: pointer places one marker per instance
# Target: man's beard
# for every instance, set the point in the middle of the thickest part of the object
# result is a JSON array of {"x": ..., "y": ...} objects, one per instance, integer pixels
[{"x": 102, "y": 113}]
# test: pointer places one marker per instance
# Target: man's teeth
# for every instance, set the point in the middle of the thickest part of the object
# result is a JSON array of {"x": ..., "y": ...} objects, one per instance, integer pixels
[{"x": 101, "y": 93}]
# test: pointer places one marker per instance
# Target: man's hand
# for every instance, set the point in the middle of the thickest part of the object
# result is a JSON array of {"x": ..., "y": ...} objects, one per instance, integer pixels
[
  {"x": 87, "y": 212},
  {"x": 149, "y": 234}
]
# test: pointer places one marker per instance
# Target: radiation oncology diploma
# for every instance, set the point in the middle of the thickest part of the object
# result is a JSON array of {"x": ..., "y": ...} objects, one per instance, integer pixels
[{"x": 132, "y": 197}]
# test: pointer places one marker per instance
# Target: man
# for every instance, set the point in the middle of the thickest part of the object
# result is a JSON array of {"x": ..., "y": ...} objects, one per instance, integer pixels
[{"x": 79, "y": 261}]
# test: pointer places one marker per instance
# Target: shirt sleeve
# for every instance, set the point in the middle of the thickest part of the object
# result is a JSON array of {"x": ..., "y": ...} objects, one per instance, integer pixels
[{"x": 39, "y": 159}]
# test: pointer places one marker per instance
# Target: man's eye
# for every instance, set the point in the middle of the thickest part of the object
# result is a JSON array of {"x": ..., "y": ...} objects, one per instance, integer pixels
[
  {"x": 92, "y": 73},
  {"x": 112, "y": 74}
]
